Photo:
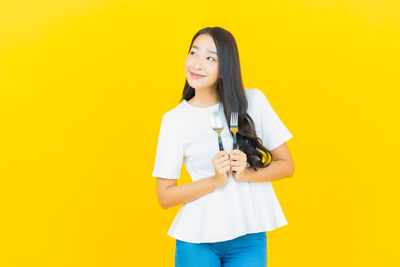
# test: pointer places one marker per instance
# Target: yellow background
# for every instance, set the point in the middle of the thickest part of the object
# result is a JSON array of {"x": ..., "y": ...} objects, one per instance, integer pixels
[{"x": 83, "y": 86}]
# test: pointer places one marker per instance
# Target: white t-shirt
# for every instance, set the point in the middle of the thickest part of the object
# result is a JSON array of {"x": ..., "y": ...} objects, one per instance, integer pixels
[{"x": 236, "y": 208}]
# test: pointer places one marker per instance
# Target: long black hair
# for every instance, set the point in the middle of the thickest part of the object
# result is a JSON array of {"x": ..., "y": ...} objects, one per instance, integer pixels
[{"x": 233, "y": 97}]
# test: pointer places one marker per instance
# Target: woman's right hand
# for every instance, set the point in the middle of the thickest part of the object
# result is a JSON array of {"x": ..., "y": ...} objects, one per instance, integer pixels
[{"x": 222, "y": 167}]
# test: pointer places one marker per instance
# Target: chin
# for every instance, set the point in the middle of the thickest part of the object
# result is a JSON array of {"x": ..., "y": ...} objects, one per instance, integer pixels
[{"x": 198, "y": 85}]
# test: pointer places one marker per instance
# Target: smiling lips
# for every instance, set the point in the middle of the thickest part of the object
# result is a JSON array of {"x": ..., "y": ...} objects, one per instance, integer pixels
[{"x": 196, "y": 76}]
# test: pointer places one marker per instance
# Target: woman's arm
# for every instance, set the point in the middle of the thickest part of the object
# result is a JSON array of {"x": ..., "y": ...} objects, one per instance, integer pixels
[{"x": 170, "y": 194}]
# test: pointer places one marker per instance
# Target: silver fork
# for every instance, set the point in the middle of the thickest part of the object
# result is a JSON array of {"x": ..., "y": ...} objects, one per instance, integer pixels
[{"x": 234, "y": 127}]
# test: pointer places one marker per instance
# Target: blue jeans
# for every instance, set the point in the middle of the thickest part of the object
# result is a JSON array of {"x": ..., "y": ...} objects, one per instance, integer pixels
[{"x": 248, "y": 250}]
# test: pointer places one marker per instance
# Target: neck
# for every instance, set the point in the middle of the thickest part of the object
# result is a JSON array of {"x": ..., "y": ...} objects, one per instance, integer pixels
[{"x": 205, "y": 97}]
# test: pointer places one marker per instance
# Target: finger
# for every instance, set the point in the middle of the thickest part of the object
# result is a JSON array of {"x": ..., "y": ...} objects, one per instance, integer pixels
[
  {"x": 222, "y": 159},
  {"x": 236, "y": 152},
  {"x": 234, "y": 163},
  {"x": 227, "y": 163},
  {"x": 234, "y": 157},
  {"x": 239, "y": 153},
  {"x": 237, "y": 168},
  {"x": 224, "y": 162},
  {"x": 239, "y": 156},
  {"x": 226, "y": 169},
  {"x": 238, "y": 163},
  {"x": 221, "y": 154}
]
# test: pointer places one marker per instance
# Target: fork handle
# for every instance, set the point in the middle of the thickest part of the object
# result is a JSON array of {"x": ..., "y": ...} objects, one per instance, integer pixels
[
  {"x": 221, "y": 147},
  {"x": 234, "y": 142}
]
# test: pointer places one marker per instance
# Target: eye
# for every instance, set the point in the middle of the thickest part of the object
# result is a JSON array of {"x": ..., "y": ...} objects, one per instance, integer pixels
[{"x": 191, "y": 52}]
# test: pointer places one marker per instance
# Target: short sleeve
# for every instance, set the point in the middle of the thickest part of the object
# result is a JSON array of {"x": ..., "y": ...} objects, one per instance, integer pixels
[
  {"x": 169, "y": 154},
  {"x": 273, "y": 132}
]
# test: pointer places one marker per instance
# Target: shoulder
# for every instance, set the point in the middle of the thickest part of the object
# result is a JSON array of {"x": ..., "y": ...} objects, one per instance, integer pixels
[
  {"x": 249, "y": 91},
  {"x": 253, "y": 93},
  {"x": 255, "y": 97},
  {"x": 174, "y": 118},
  {"x": 174, "y": 113}
]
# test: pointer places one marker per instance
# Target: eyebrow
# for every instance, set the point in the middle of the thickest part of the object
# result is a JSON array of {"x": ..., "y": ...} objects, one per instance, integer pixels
[{"x": 207, "y": 50}]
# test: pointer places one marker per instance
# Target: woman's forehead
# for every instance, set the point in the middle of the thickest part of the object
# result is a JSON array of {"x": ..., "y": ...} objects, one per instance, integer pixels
[{"x": 205, "y": 42}]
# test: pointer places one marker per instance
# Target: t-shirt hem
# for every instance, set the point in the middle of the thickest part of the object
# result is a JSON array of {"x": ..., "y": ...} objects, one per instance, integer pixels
[
  {"x": 264, "y": 229},
  {"x": 155, "y": 174}
]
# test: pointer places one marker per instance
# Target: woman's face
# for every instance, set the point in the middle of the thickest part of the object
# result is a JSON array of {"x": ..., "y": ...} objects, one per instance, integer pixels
[{"x": 203, "y": 60}]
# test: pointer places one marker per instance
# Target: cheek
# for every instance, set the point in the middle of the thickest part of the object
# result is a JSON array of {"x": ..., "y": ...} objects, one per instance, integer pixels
[
  {"x": 213, "y": 69},
  {"x": 188, "y": 62}
]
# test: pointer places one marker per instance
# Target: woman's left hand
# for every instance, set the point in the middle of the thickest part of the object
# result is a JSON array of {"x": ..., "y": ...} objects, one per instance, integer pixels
[{"x": 238, "y": 163}]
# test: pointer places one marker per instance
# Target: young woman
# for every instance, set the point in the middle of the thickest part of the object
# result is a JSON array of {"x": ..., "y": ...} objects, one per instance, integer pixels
[{"x": 230, "y": 203}]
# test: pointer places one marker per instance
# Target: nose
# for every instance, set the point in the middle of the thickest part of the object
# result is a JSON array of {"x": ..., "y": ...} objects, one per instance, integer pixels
[{"x": 198, "y": 64}]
